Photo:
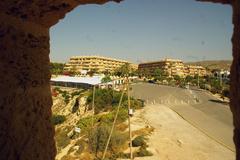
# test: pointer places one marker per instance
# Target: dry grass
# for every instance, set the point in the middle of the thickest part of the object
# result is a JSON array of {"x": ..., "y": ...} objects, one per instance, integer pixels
[
  {"x": 122, "y": 127},
  {"x": 86, "y": 156},
  {"x": 68, "y": 157},
  {"x": 144, "y": 131}
]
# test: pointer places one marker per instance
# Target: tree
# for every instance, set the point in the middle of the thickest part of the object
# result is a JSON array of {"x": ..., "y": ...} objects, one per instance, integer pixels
[
  {"x": 123, "y": 71},
  {"x": 215, "y": 84},
  {"x": 98, "y": 138},
  {"x": 158, "y": 74},
  {"x": 106, "y": 73},
  {"x": 144, "y": 72},
  {"x": 106, "y": 79},
  {"x": 58, "y": 119},
  {"x": 92, "y": 72},
  {"x": 188, "y": 78},
  {"x": 105, "y": 99},
  {"x": 56, "y": 68},
  {"x": 177, "y": 78}
]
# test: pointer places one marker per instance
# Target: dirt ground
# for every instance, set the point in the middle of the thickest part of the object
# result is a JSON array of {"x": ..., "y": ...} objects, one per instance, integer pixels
[{"x": 176, "y": 139}]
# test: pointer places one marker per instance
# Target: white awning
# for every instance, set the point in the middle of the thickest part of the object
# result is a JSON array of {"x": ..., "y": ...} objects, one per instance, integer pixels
[{"x": 83, "y": 80}]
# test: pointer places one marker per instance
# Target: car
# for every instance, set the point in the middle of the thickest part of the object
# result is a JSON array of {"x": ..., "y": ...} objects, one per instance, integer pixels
[{"x": 151, "y": 81}]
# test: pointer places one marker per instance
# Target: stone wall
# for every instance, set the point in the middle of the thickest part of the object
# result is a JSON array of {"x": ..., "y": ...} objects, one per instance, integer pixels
[
  {"x": 25, "y": 99},
  {"x": 235, "y": 76},
  {"x": 26, "y": 132}
]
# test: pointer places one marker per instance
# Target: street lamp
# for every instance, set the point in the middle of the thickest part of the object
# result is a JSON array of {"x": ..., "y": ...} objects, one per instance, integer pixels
[{"x": 198, "y": 75}]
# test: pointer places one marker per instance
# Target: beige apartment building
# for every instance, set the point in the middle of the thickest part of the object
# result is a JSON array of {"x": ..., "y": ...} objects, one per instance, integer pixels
[
  {"x": 192, "y": 70},
  {"x": 173, "y": 67},
  {"x": 97, "y": 63},
  {"x": 170, "y": 66}
]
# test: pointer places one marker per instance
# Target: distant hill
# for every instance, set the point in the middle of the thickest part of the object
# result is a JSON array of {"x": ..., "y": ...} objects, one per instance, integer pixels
[{"x": 211, "y": 64}]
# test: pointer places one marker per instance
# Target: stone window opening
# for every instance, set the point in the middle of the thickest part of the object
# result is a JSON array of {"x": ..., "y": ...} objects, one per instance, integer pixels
[{"x": 25, "y": 98}]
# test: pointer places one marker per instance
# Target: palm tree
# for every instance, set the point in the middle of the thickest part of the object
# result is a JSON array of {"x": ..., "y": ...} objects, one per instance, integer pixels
[{"x": 124, "y": 71}]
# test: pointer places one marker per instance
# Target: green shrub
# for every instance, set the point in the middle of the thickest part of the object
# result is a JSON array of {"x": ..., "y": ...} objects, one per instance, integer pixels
[
  {"x": 85, "y": 123},
  {"x": 122, "y": 116},
  {"x": 57, "y": 89},
  {"x": 137, "y": 104},
  {"x": 76, "y": 93},
  {"x": 106, "y": 79},
  {"x": 105, "y": 99},
  {"x": 117, "y": 96},
  {"x": 226, "y": 92},
  {"x": 66, "y": 96},
  {"x": 75, "y": 106},
  {"x": 62, "y": 140},
  {"x": 98, "y": 139},
  {"x": 142, "y": 152},
  {"x": 122, "y": 155},
  {"x": 139, "y": 141},
  {"x": 58, "y": 119}
]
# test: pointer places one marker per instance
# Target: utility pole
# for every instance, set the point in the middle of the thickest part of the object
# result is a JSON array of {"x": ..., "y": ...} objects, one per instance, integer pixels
[
  {"x": 220, "y": 78},
  {"x": 129, "y": 120},
  {"x": 114, "y": 122},
  {"x": 93, "y": 103},
  {"x": 198, "y": 78}
]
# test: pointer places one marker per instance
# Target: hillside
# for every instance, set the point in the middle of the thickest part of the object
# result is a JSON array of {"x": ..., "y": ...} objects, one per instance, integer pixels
[
  {"x": 81, "y": 135},
  {"x": 211, "y": 64}
]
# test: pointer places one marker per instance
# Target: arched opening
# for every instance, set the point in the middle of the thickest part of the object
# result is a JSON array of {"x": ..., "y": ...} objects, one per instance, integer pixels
[{"x": 25, "y": 94}]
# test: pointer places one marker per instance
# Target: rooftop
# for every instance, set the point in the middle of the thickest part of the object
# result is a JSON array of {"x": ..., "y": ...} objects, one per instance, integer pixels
[
  {"x": 100, "y": 57},
  {"x": 83, "y": 80},
  {"x": 164, "y": 60}
]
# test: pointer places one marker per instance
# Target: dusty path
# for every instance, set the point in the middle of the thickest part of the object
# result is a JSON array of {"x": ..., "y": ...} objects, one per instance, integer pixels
[{"x": 176, "y": 139}]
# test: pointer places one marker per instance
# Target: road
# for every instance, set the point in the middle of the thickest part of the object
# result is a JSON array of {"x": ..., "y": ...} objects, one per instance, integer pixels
[{"x": 199, "y": 108}]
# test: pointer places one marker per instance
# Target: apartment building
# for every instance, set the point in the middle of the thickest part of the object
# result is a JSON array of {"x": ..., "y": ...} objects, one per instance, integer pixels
[
  {"x": 170, "y": 66},
  {"x": 97, "y": 63},
  {"x": 192, "y": 70},
  {"x": 173, "y": 67}
]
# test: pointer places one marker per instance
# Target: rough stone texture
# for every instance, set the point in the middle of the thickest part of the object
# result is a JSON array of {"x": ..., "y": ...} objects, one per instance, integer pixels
[
  {"x": 217, "y": 1},
  {"x": 235, "y": 76},
  {"x": 25, "y": 98},
  {"x": 43, "y": 12}
]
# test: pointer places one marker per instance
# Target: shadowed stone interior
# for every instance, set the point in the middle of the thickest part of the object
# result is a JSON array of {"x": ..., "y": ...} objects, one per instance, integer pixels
[{"x": 25, "y": 99}]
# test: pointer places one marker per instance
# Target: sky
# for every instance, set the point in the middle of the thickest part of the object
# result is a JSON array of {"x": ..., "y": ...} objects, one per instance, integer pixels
[{"x": 145, "y": 30}]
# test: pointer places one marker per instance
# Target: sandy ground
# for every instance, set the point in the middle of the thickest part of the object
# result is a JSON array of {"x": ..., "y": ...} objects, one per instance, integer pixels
[{"x": 176, "y": 139}]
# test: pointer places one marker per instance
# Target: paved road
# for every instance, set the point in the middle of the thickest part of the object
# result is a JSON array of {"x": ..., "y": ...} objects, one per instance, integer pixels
[{"x": 199, "y": 108}]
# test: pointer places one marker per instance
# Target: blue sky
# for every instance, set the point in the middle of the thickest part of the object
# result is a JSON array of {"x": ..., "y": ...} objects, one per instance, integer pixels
[{"x": 145, "y": 30}]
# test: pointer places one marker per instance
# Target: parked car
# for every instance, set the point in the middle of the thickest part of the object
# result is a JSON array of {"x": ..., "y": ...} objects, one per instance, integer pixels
[{"x": 151, "y": 81}]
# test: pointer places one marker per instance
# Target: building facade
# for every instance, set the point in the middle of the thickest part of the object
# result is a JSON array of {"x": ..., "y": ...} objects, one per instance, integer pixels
[
  {"x": 96, "y": 63},
  {"x": 222, "y": 74},
  {"x": 192, "y": 70},
  {"x": 173, "y": 67}
]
